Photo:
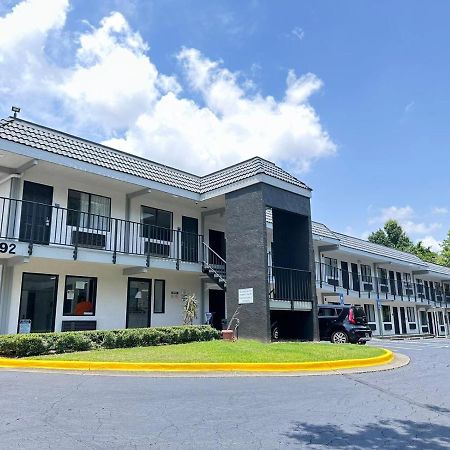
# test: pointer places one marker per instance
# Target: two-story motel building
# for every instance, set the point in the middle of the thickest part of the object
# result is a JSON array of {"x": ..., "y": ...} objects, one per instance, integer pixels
[{"x": 94, "y": 238}]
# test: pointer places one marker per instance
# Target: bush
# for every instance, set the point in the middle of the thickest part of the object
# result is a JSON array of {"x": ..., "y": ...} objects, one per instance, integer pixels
[{"x": 19, "y": 345}]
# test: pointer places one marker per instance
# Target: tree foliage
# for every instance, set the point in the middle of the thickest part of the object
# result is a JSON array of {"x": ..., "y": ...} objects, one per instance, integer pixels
[{"x": 392, "y": 235}]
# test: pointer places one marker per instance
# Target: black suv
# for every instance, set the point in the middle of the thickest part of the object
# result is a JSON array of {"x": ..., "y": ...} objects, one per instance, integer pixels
[{"x": 342, "y": 324}]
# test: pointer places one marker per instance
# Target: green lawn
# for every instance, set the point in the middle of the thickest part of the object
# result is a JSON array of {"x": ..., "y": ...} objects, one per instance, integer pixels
[{"x": 225, "y": 351}]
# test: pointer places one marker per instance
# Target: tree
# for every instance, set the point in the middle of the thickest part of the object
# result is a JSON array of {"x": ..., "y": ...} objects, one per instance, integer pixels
[
  {"x": 392, "y": 235},
  {"x": 444, "y": 257},
  {"x": 425, "y": 253}
]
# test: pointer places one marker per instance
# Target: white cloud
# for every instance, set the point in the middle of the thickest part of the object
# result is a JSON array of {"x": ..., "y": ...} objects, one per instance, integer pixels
[
  {"x": 401, "y": 214},
  {"x": 25, "y": 71},
  {"x": 298, "y": 33},
  {"x": 231, "y": 124},
  {"x": 111, "y": 87},
  {"x": 432, "y": 243},
  {"x": 438, "y": 211}
]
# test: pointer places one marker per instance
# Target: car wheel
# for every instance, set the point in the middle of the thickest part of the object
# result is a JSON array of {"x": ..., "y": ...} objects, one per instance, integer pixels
[
  {"x": 362, "y": 342},
  {"x": 339, "y": 337},
  {"x": 275, "y": 333}
]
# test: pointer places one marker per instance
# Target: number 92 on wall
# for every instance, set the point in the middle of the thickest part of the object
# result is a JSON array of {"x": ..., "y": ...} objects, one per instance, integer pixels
[{"x": 7, "y": 247}]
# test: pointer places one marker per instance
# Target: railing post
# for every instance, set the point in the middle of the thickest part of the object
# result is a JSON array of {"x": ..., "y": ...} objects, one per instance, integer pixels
[
  {"x": 114, "y": 258},
  {"x": 291, "y": 289},
  {"x": 33, "y": 223},
  {"x": 77, "y": 230},
  {"x": 147, "y": 260},
  {"x": 178, "y": 245},
  {"x": 320, "y": 271}
]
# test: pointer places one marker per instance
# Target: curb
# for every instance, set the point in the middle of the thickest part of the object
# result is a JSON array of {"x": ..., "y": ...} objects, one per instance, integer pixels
[{"x": 383, "y": 359}]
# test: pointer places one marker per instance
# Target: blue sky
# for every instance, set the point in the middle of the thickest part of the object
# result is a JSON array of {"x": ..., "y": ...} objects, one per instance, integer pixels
[{"x": 362, "y": 118}]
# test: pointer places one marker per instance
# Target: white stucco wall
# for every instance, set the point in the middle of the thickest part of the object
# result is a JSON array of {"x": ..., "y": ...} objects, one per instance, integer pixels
[{"x": 111, "y": 292}]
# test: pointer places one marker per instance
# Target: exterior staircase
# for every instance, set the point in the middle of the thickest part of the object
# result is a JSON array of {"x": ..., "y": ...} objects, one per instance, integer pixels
[{"x": 214, "y": 266}]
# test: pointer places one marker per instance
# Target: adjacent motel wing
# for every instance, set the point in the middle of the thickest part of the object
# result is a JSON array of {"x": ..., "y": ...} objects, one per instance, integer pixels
[{"x": 401, "y": 294}]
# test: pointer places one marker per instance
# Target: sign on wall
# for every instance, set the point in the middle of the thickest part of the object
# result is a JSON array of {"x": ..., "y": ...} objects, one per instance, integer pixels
[
  {"x": 24, "y": 326},
  {"x": 245, "y": 296}
]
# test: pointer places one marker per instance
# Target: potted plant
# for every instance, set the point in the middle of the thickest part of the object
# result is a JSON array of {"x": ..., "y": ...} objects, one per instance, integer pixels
[{"x": 190, "y": 305}]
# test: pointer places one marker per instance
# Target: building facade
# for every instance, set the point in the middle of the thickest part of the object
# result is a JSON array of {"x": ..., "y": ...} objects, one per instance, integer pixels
[
  {"x": 401, "y": 294},
  {"x": 94, "y": 238}
]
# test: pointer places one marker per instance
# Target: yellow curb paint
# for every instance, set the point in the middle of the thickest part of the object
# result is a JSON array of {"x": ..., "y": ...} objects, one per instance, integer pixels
[{"x": 385, "y": 358}]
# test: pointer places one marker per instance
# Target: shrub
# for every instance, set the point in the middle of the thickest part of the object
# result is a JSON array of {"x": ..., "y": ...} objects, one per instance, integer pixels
[
  {"x": 72, "y": 342},
  {"x": 19, "y": 345}
]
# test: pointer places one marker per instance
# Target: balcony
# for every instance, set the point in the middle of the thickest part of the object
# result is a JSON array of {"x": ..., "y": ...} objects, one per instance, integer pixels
[
  {"x": 52, "y": 226},
  {"x": 367, "y": 286},
  {"x": 290, "y": 285}
]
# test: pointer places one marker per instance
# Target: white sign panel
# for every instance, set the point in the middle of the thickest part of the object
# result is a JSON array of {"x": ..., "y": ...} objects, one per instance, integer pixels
[
  {"x": 245, "y": 296},
  {"x": 24, "y": 326}
]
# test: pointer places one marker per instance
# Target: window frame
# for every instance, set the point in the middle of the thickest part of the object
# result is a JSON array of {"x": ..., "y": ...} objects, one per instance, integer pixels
[
  {"x": 94, "y": 301},
  {"x": 369, "y": 310},
  {"x": 163, "y": 309},
  {"x": 411, "y": 317},
  {"x": 366, "y": 273},
  {"x": 89, "y": 213},
  {"x": 331, "y": 268},
  {"x": 152, "y": 238},
  {"x": 386, "y": 308},
  {"x": 383, "y": 276}
]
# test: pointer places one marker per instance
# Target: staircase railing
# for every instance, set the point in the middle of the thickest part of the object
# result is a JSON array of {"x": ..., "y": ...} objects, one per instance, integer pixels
[{"x": 214, "y": 262}]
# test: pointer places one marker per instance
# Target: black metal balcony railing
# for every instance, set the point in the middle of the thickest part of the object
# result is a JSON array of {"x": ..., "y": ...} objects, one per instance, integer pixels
[
  {"x": 385, "y": 288},
  {"x": 289, "y": 284},
  {"x": 38, "y": 223}
]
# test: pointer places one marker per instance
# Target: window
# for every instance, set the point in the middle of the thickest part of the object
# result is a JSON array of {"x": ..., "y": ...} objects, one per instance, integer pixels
[
  {"x": 159, "y": 305},
  {"x": 80, "y": 296},
  {"x": 370, "y": 313},
  {"x": 328, "y": 312},
  {"x": 420, "y": 287},
  {"x": 408, "y": 284},
  {"x": 382, "y": 275},
  {"x": 88, "y": 210},
  {"x": 423, "y": 318},
  {"x": 366, "y": 273},
  {"x": 411, "y": 314},
  {"x": 157, "y": 224},
  {"x": 386, "y": 311},
  {"x": 331, "y": 270}
]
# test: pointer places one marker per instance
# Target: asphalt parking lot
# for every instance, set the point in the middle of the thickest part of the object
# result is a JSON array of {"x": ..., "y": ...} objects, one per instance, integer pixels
[{"x": 404, "y": 408}]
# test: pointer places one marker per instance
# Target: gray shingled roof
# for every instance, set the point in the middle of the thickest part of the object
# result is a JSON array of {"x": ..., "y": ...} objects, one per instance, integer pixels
[
  {"x": 53, "y": 141},
  {"x": 381, "y": 250},
  {"x": 320, "y": 229},
  {"x": 439, "y": 269},
  {"x": 354, "y": 243}
]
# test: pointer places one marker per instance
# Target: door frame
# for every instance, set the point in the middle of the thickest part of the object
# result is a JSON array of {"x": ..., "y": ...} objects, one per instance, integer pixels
[
  {"x": 403, "y": 321},
  {"x": 54, "y": 302},
  {"x": 150, "y": 281},
  {"x": 39, "y": 204},
  {"x": 187, "y": 239},
  {"x": 396, "y": 320}
]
